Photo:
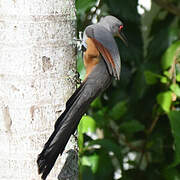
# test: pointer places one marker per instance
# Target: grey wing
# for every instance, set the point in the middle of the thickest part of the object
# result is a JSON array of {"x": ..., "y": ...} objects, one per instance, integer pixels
[{"x": 107, "y": 46}]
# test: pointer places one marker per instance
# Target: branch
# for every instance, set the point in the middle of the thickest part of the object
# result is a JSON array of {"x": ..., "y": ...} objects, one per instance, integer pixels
[
  {"x": 168, "y": 6},
  {"x": 149, "y": 131}
]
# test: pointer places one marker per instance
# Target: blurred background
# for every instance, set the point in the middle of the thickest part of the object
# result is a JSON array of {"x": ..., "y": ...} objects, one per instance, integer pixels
[{"x": 132, "y": 131}]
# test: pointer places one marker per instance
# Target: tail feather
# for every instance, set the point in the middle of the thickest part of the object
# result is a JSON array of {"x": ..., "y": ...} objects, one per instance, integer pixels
[
  {"x": 69, "y": 103},
  {"x": 65, "y": 125},
  {"x": 68, "y": 106}
]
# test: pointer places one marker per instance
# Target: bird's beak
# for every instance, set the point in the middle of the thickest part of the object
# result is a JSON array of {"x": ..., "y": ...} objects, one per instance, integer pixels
[{"x": 123, "y": 38}]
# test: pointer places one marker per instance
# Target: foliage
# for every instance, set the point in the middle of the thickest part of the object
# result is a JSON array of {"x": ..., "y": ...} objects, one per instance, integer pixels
[{"x": 134, "y": 127}]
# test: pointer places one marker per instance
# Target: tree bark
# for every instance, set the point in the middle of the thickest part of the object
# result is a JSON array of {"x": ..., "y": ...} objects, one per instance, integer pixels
[{"x": 37, "y": 70}]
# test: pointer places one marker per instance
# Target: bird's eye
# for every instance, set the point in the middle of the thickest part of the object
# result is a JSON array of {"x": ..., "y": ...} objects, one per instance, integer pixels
[{"x": 120, "y": 27}]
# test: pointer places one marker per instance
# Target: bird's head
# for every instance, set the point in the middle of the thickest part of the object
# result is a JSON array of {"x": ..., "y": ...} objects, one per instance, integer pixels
[{"x": 115, "y": 26}]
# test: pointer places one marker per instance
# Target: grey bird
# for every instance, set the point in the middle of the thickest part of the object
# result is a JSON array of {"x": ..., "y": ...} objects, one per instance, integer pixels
[{"x": 102, "y": 63}]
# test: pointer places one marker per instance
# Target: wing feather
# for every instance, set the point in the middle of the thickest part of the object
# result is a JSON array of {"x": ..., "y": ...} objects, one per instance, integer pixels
[
  {"x": 105, "y": 53},
  {"x": 105, "y": 43}
]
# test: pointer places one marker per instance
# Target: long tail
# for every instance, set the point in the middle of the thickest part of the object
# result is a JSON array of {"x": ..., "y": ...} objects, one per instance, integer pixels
[{"x": 65, "y": 125}]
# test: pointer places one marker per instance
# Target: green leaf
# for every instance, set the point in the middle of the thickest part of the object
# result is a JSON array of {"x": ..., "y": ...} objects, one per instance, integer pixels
[
  {"x": 176, "y": 89},
  {"x": 96, "y": 103},
  {"x": 169, "y": 55},
  {"x": 80, "y": 137},
  {"x": 178, "y": 78},
  {"x": 80, "y": 141},
  {"x": 174, "y": 117},
  {"x": 164, "y": 80},
  {"x": 91, "y": 161},
  {"x": 151, "y": 78},
  {"x": 87, "y": 124},
  {"x": 167, "y": 73},
  {"x": 131, "y": 126},
  {"x": 118, "y": 110},
  {"x": 164, "y": 99}
]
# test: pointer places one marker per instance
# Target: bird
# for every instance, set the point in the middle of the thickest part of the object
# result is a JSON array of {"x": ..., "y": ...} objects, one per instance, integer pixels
[{"x": 102, "y": 63}]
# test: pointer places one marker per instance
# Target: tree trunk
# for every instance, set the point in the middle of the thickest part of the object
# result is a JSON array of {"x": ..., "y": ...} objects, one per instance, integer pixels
[{"x": 37, "y": 70}]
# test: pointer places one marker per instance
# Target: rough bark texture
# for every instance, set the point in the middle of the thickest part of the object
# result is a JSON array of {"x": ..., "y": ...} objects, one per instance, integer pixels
[{"x": 37, "y": 70}]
